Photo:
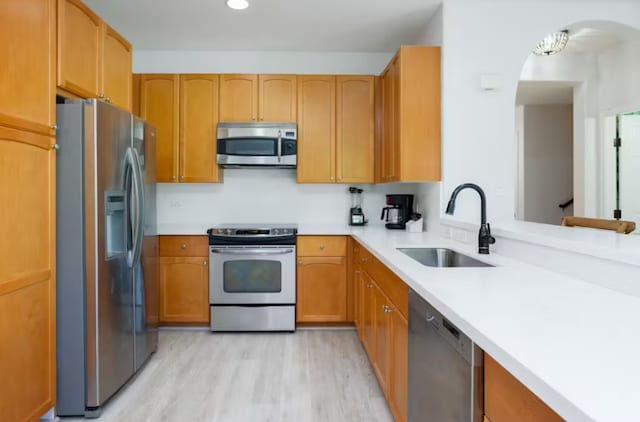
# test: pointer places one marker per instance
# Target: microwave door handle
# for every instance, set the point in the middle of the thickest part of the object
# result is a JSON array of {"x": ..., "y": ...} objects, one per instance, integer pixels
[
  {"x": 257, "y": 251},
  {"x": 279, "y": 146}
]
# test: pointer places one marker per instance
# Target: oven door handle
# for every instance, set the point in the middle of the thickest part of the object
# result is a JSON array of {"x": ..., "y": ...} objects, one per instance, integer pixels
[{"x": 257, "y": 251}]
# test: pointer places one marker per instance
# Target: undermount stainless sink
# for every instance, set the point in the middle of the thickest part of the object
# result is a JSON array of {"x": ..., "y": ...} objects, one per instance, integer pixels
[{"x": 442, "y": 258}]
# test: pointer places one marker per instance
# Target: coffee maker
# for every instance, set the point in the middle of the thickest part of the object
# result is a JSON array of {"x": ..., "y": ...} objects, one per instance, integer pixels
[{"x": 398, "y": 211}]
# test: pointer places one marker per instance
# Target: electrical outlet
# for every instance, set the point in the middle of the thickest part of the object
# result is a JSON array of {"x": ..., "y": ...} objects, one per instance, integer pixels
[{"x": 175, "y": 204}]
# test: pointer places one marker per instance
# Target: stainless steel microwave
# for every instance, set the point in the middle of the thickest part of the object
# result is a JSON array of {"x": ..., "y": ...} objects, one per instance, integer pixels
[{"x": 257, "y": 144}]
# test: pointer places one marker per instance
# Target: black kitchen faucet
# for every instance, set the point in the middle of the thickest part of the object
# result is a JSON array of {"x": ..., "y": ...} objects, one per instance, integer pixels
[{"x": 484, "y": 236}]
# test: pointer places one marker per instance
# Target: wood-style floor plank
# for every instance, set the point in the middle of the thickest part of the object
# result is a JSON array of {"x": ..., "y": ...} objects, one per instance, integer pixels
[{"x": 309, "y": 376}]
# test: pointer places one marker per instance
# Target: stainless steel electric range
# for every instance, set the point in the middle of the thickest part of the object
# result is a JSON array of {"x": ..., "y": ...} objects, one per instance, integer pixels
[{"x": 252, "y": 277}]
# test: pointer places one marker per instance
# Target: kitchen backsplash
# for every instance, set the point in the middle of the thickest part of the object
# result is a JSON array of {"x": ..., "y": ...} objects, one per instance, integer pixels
[{"x": 270, "y": 195}]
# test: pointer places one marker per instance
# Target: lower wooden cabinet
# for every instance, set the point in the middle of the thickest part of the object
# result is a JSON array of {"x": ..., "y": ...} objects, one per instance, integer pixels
[
  {"x": 384, "y": 332},
  {"x": 399, "y": 387},
  {"x": 506, "y": 399},
  {"x": 184, "y": 290},
  {"x": 322, "y": 289}
]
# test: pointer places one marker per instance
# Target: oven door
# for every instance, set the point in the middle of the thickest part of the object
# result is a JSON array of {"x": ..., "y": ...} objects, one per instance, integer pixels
[{"x": 247, "y": 275}]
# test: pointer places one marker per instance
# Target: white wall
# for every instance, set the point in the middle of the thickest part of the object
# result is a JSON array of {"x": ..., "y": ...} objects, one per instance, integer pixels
[
  {"x": 157, "y": 61},
  {"x": 267, "y": 196},
  {"x": 548, "y": 162},
  {"x": 496, "y": 37}
]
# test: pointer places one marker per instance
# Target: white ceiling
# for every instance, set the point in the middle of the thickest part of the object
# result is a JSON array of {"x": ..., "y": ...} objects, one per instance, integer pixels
[
  {"x": 538, "y": 93},
  {"x": 268, "y": 25}
]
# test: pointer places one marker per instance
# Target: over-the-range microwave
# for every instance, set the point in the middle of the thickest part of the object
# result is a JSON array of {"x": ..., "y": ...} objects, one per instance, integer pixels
[{"x": 257, "y": 145}]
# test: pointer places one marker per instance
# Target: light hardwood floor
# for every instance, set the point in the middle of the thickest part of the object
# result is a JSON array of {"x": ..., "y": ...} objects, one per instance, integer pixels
[{"x": 309, "y": 376}]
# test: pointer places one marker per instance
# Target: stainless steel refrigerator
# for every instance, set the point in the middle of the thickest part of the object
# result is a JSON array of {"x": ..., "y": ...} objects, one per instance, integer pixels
[{"x": 107, "y": 260}]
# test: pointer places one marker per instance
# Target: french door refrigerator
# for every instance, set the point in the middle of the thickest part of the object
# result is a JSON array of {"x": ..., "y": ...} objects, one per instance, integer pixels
[{"x": 107, "y": 274}]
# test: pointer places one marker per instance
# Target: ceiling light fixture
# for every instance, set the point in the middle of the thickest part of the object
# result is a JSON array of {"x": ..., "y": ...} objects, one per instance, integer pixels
[
  {"x": 552, "y": 44},
  {"x": 237, "y": 4}
]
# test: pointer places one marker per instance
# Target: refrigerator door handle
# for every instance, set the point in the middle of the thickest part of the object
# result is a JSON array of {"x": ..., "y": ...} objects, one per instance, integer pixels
[
  {"x": 139, "y": 232},
  {"x": 132, "y": 200}
]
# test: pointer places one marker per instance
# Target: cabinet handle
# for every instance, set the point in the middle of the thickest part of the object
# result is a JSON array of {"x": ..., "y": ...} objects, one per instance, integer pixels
[{"x": 183, "y": 246}]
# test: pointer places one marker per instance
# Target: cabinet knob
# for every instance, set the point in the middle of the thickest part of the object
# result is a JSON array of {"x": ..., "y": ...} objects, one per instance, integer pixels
[
  {"x": 301, "y": 263},
  {"x": 181, "y": 177},
  {"x": 108, "y": 99},
  {"x": 369, "y": 286},
  {"x": 173, "y": 177},
  {"x": 54, "y": 127},
  {"x": 321, "y": 247},
  {"x": 331, "y": 178},
  {"x": 253, "y": 117},
  {"x": 357, "y": 271},
  {"x": 356, "y": 250},
  {"x": 55, "y": 146},
  {"x": 363, "y": 259},
  {"x": 183, "y": 246},
  {"x": 204, "y": 264},
  {"x": 262, "y": 118},
  {"x": 101, "y": 95},
  {"x": 340, "y": 179},
  {"x": 387, "y": 309}
]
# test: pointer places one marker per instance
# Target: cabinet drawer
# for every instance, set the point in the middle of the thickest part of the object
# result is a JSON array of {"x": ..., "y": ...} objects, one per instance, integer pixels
[
  {"x": 176, "y": 246},
  {"x": 322, "y": 245}
]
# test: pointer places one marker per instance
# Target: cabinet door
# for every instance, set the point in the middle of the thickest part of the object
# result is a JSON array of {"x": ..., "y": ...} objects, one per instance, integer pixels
[
  {"x": 322, "y": 289},
  {"x": 355, "y": 129},
  {"x": 277, "y": 98},
  {"x": 27, "y": 274},
  {"x": 79, "y": 49},
  {"x": 159, "y": 106},
  {"x": 382, "y": 363},
  {"x": 198, "y": 121},
  {"x": 184, "y": 290},
  {"x": 507, "y": 399},
  {"x": 27, "y": 90},
  {"x": 368, "y": 315},
  {"x": 399, "y": 365},
  {"x": 316, "y": 129},
  {"x": 389, "y": 130},
  {"x": 116, "y": 65},
  {"x": 238, "y": 98}
]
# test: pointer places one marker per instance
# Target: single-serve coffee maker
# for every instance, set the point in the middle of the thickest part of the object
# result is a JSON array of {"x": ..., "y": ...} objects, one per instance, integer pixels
[{"x": 398, "y": 211}]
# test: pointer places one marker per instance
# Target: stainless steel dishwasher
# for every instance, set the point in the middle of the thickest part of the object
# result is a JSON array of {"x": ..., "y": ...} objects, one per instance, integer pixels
[{"x": 445, "y": 368}]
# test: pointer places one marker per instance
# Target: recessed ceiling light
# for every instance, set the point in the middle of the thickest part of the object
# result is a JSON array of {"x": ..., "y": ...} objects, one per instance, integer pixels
[{"x": 237, "y": 4}]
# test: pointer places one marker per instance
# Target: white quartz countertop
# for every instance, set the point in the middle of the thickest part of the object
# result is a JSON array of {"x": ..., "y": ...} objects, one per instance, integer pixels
[{"x": 573, "y": 343}]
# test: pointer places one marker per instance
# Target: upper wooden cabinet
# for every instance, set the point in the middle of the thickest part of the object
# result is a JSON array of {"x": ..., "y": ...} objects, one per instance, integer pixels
[
  {"x": 411, "y": 141},
  {"x": 198, "y": 122},
  {"x": 159, "y": 96},
  {"x": 252, "y": 98},
  {"x": 336, "y": 127},
  {"x": 94, "y": 61},
  {"x": 277, "y": 98},
  {"x": 355, "y": 129},
  {"x": 238, "y": 98},
  {"x": 27, "y": 86},
  {"x": 316, "y": 129},
  {"x": 79, "y": 49},
  {"x": 116, "y": 65}
]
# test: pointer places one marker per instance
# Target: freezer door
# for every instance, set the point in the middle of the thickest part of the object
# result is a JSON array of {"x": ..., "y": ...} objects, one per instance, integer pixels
[
  {"x": 110, "y": 340},
  {"x": 146, "y": 270}
]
